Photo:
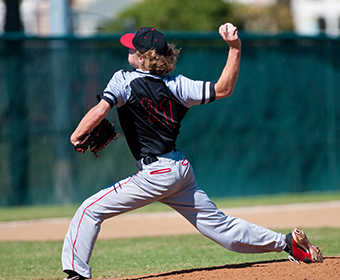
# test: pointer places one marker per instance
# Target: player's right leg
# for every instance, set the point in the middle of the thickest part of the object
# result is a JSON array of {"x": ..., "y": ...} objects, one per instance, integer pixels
[
  {"x": 151, "y": 183},
  {"x": 85, "y": 226}
]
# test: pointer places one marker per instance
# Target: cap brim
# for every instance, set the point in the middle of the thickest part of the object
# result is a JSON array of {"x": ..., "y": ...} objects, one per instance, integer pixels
[{"x": 126, "y": 40}]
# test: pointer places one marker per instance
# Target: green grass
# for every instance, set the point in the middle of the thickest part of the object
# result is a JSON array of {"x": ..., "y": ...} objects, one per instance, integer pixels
[
  {"x": 56, "y": 211},
  {"x": 140, "y": 256}
]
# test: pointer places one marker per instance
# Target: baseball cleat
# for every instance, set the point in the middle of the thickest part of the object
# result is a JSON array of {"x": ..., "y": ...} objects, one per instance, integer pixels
[
  {"x": 72, "y": 275},
  {"x": 301, "y": 249}
]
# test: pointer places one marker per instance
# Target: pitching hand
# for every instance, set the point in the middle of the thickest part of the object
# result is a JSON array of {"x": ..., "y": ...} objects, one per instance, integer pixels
[{"x": 229, "y": 34}]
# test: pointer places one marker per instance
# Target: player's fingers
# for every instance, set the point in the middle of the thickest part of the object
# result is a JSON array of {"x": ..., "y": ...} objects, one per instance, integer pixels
[
  {"x": 75, "y": 143},
  {"x": 223, "y": 31},
  {"x": 220, "y": 30}
]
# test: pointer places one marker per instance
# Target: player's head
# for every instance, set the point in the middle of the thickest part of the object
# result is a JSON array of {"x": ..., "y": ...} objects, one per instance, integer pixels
[
  {"x": 145, "y": 39},
  {"x": 153, "y": 51}
]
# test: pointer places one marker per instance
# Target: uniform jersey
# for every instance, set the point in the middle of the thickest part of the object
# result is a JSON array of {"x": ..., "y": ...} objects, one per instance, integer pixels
[{"x": 151, "y": 107}]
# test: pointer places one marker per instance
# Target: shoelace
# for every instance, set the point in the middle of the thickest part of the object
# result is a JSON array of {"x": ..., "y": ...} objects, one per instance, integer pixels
[{"x": 292, "y": 259}]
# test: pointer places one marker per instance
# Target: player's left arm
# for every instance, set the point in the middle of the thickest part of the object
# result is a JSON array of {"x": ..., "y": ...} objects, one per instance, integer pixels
[
  {"x": 90, "y": 120},
  {"x": 227, "y": 81}
]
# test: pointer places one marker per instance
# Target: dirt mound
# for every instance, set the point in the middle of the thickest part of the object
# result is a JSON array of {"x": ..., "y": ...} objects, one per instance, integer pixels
[{"x": 264, "y": 270}]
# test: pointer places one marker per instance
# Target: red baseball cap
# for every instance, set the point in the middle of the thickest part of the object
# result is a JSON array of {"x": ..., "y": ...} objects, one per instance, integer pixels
[{"x": 146, "y": 38}]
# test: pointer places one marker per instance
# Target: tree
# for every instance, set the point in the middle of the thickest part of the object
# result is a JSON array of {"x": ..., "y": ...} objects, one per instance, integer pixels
[
  {"x": 197, "y": 15},
  {"x": 202, "y": 15},
  {"x": 264, "y": 19}
]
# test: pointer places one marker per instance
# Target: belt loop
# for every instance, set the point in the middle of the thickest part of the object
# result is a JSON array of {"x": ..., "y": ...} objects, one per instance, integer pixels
[
  {"x": 148, "y": 159},
  {"x": 139, "y": 164}
]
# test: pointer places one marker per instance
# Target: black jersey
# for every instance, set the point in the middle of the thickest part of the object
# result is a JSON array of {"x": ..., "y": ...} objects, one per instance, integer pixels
[{"x": 151, "y": 108}]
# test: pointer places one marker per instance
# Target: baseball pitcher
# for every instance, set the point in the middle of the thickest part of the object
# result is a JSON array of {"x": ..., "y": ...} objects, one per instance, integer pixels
[{"x": 151, "y": 105}]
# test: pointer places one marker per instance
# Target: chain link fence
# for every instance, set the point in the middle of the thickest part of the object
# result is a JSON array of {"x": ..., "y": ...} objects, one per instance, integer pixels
[{"x": 278, "y": 132}]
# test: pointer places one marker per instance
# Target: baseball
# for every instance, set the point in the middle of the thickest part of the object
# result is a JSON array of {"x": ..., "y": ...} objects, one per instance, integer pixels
[{"x": 229, "y": 27}]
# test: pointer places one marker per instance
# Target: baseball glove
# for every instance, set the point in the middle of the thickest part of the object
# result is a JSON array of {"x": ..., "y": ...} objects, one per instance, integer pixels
[{"x": 97, "y": 138}]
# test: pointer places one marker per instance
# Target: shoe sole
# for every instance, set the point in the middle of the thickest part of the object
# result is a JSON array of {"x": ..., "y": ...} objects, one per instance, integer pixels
[{"x": 302, "y": 240}]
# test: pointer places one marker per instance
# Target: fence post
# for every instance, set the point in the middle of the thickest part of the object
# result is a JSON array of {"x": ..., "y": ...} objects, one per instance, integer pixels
[
  {"x": 330, "y": 103},
  {"x": 18, "y": 132}
]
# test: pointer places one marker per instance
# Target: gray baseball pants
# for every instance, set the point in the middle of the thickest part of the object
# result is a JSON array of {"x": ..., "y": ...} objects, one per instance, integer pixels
[{"x": 169, "y": 180}]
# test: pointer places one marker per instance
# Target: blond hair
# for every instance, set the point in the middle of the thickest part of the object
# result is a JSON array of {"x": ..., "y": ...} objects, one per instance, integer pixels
[{"x": 160, "y": 64}]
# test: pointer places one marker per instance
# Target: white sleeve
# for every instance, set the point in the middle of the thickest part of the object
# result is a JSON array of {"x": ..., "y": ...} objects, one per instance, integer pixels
[
  {"x": 191, "y": 92},
  {"x": 117, "y": 90}
]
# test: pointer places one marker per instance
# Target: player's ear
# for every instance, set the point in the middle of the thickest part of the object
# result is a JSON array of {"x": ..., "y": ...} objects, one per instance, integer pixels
[{"x": 141, "y": 60}]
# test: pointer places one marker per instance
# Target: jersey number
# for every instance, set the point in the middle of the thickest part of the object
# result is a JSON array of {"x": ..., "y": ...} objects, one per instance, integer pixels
[{"x": 165, "y": 109}]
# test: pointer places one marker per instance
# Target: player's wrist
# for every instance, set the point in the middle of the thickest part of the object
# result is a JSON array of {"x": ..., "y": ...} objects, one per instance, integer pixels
[{"x": 235, "y": 46}]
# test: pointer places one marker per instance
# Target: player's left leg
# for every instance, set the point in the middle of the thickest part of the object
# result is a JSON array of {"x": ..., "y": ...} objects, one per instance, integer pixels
[{"x": 230, "y": 232}]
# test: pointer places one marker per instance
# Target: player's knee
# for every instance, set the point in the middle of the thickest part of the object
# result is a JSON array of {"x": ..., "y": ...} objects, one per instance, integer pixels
[{"x": 86, "y": 210}]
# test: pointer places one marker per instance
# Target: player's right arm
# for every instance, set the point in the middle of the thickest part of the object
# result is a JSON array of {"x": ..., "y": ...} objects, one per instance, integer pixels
[
  {"x": 227, "y": 81},
  {"x": 90, "y": 120}
]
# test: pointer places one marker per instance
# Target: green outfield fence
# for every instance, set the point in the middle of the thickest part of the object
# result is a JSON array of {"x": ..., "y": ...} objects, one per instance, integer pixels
[{"x": 278, "y": 133}]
